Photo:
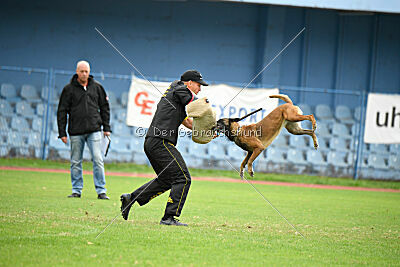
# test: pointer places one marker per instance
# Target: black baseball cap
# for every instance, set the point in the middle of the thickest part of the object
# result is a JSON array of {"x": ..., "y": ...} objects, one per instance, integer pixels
[{"x": 193, "y": 75}]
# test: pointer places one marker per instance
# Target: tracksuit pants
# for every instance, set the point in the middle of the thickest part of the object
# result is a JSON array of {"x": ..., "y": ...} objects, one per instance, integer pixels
[{"x": 172, "y": 173}]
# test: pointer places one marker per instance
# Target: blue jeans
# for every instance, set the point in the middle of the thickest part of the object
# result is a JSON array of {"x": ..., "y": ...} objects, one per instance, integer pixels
[{"x": 93, "y": 141}]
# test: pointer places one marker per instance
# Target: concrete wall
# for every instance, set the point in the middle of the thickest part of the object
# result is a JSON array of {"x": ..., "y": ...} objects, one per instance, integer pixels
[{"x": 227, "y": 42}]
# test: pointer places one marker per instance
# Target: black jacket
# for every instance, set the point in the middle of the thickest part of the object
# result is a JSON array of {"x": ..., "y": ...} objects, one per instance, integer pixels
[
  {"x": 171, "y": 112},
  {"x": 87, "y": 110}
]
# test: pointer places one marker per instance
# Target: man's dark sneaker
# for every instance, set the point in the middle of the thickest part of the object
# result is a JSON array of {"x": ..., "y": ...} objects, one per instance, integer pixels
[
  {"x": 172, "y": 221},
  {"x": 126, "y": 205},
  {"x": 75, "y": 195},
  {"x": 102, "y": 196}
]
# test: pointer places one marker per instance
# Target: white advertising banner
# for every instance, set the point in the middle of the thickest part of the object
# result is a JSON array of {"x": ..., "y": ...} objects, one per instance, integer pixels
[
  {"x": 143, "y": 100},
  {"x": 382, "y": 123}
]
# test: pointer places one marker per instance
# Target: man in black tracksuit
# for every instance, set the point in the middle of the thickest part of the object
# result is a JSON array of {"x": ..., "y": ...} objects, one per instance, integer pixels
[{"x": 160, "y": 149}]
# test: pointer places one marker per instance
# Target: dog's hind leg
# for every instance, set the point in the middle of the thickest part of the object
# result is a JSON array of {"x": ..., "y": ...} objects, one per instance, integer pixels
[
  {"x": 255, "y": 154},
  {"x": 294, "y": 128},
  {"x": 242, "y": 166},
  {"x": 294, "y": 114}
]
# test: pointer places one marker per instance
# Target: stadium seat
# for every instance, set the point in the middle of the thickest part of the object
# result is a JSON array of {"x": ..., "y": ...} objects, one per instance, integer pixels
[
  {"x": 299, "y": 141},
  {"x": 216, "y": 151},
  {"x": 124, "y": 99},
  {"x": 183, "y": 146},
  {"x": 305, "y": 108},
  {"x": 54, "y": 125},
  {"x": 355, "y": 129},
  {"x": 337, "y": 159},
  {"x": 120, "y": 115},
  {"x": 357, "y": 114},
  {"x": 276, "y": 155},
  {"x": 324, "y": 113},
  {"x": 16, "y": 139},
  {"x": 40, "y": 109},
  {"x": 194, "y": 162},
  {"x": 198, "y": 150},
  {"x": 306, "y": 125},
  {"x": 377, "y": 161},
  {"x": 55, "y": 95},
  {"x": 379, "y": 148},
  {"x": 351, "y": 159},
  {"x": 280, "y": 141},
  {"x": 394, "y": 162},
  {"x": 35, "y": 143},
  {"x": 37, "y": 124},
  {"x": 24, "y": 109},
  {"x": 296, "y": 157},
  {"x": 339, "y": 144},
  {"x": 19, "y": 124},
  {"x": 121, "y": 129},
  {"x": 395, "y": 149},
  {"x": 322, "y": 129},
  {"x": 354, "y": 144},
  {"x": 136, "y": 144},
  {"x": 56, "y": 143},
  {"x": 236, "y": 153},
  {"x": 30, "y": 93},
  {"x": 34, "y": 139},
  {"x": 140, "y": 158},
  {"x": 343, "y": 114},
  {"x": 5, "y": 108},
  {"x": 121, "y": 144},
  {"x": 340, "y": 130},
  {"x": 8, "y": 91},
  {"x": 4, "y": 150},
  {"x": 4, "y": 124},
  {"x": 316, "y": 158},
  {"x": 323, "y": 143},
  {"x": 44, "y": 92}
]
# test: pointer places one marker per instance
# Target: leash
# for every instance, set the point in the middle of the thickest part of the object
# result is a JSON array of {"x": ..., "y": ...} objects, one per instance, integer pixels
[{"x": 244, "y": 117}]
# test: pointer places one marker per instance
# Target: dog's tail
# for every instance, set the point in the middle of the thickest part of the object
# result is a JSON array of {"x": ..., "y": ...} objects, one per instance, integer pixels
[{"x": 282, "y": 97}]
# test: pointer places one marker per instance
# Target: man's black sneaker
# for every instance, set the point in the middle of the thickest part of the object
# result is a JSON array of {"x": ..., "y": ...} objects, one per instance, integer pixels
[
  {"x": 172, "y": 221},
  {"x": 126, "y": 205},
  {"x": 102, "y": 196},
  {"x": 75, "y": 195}
]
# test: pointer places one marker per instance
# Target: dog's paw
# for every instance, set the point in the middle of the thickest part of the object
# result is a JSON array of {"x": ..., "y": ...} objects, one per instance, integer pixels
[
  {"x": 251, "y": 174},
  {"x": 241, "y": 174}
]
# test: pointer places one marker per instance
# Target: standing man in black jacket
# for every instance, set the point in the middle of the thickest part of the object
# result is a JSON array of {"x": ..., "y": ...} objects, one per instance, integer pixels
[
  {"x": 85, "y": 102},
  {"x": 160, "y": 149}
]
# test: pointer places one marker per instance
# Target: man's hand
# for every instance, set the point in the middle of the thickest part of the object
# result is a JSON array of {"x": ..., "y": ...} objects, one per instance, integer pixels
[
  {"x": 64, "y": 139},
  {"x": 107, "y": 134},
  {"x": 188, "y": 123}
]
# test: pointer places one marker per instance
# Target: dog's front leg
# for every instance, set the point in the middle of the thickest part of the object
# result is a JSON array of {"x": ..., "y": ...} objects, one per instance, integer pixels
[
  {"x": 242, "y": 166},
  {"x": 255, "y": 154}
]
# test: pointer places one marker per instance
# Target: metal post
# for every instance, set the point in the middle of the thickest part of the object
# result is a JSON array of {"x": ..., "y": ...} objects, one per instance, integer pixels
[
  {"x": 49, "y": 95},
  {"x": 358, "y": 161}
]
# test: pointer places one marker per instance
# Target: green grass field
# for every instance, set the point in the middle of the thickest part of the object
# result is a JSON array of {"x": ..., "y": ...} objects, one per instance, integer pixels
[{"x": 229, "y": 224}]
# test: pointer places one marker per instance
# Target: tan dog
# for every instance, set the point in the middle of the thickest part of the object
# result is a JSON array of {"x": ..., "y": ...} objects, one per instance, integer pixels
[{"x": 254, "y": 138}]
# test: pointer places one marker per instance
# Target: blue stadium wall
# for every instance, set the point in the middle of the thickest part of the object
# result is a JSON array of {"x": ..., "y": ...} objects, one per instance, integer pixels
[{"x": 227, "y": 42}]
